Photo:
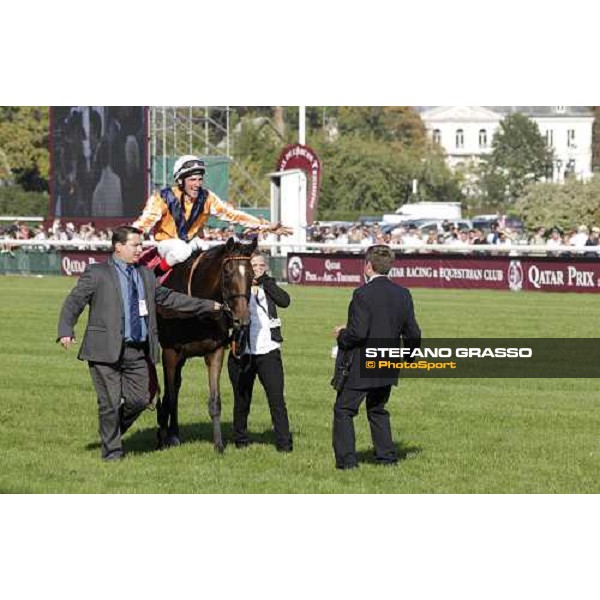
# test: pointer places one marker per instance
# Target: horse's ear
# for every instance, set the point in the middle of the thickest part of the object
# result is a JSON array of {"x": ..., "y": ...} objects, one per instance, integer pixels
[
  {"x": 230, "y": 245},
  {"x": 253, "y": 245}
]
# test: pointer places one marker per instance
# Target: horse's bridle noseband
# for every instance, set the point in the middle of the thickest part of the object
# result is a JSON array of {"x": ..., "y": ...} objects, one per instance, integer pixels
[{"x": 226, "y": 298}]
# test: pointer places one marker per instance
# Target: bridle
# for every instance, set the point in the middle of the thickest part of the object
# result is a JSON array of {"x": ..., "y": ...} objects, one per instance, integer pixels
[
  {"x": 234, "y": 344},
  {"x": 226, "y": 298}
]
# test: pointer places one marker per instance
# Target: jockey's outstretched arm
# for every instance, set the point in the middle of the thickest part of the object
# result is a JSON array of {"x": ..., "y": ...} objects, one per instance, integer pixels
[{"x": 228, "y": 213}]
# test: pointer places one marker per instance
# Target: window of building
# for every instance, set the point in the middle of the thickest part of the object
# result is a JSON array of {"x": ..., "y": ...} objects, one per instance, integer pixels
[
  {"x": 437, "y": 136},
  {"x": 482, "y": 138},
  {"x": 460, "y": 138},
  {"x": 571, "y": 138},
  {"x": 549, "y": 138}
]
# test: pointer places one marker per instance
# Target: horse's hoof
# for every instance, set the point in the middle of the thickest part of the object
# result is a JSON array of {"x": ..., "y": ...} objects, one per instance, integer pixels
[
  {"x": 173, "y": 440},
  {"x": 166, "y": 440}
]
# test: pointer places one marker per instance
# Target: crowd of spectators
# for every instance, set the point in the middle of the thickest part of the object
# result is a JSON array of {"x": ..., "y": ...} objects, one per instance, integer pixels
[
  {"x": 88, "y": 232},
  {"x": 351, "y": 236},
  {"x": 409, "y": 235},
  {"x": 58, "y": 231},
  {"x": 340, "y": 236}
]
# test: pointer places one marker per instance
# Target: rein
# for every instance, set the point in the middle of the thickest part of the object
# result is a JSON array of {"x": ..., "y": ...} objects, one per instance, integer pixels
[
  {"x": 194, "y": 265},
  {"x": 226, "y": 297}
]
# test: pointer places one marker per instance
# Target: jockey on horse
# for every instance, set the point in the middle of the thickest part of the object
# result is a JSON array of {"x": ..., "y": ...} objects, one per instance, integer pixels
[{"x": 176, "y": 215}]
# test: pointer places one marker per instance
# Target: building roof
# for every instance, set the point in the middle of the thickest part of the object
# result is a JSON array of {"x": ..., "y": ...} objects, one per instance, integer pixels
[
  {"x": 432, "y": 112},
  {"x": 545, "y": 111},
  {"x": 460, "y": 113}
]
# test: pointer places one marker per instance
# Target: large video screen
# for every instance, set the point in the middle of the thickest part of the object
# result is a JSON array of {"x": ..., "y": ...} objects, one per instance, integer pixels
[{"x": 98, "y": 161}]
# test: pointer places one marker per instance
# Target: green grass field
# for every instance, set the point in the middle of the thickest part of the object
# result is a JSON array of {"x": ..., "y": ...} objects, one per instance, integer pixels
[{"x": 456, "y": 435}]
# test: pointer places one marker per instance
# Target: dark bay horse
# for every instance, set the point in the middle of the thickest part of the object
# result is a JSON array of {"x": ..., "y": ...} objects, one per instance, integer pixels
[{"x": 224, "y": 274}]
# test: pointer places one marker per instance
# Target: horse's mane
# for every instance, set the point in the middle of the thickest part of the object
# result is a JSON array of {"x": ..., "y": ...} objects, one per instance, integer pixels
[
  {"x": 208, "y": 254},
  {"x": 207, "y": 257},
  {"x": 243, "y": 248}
]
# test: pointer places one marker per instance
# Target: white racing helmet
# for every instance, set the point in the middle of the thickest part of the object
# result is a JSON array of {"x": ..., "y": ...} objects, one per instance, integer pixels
[{"x": 187, "y": 165}]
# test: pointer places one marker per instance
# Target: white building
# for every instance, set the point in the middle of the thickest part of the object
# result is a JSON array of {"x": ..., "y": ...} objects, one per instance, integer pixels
[{"x": 466, "y": 133}]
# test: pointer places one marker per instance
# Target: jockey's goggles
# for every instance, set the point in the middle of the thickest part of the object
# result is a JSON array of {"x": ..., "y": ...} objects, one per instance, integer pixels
[{"x": 191, "y": 164}]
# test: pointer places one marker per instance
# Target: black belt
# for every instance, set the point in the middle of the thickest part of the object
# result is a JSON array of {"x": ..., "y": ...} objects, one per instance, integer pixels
[{"x": 137, "y": 345}]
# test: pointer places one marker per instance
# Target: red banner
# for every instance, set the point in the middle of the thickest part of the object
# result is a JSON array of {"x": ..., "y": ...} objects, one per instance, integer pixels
[
  {"x": 302, "y": 157},
  {"x": 437, "y": 271},
  {"x": 74, "y": 263}
]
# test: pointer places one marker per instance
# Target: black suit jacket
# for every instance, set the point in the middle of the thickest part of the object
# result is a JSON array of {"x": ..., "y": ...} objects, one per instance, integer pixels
[
  {"x": 99, "y": 287},
  {"x": 379, "y": 310}
]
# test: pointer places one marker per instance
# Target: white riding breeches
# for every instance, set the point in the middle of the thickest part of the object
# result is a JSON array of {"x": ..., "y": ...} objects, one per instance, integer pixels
[{"x": 174, "y": 251}]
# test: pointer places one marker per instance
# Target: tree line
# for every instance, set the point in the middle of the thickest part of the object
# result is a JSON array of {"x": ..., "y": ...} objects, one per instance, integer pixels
[{"x": 371, "y": 157}]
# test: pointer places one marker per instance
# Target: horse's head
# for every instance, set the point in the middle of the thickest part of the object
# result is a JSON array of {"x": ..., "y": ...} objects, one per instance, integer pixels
[
  {"x": 236, "y": 282},
  {"x": 223, "y": 273}
]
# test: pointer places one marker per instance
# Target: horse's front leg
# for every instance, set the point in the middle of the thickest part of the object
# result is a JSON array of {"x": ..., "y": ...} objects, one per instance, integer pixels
[
  {"x": 214, "y": 362},
  {"x": 168, "y": 422}
]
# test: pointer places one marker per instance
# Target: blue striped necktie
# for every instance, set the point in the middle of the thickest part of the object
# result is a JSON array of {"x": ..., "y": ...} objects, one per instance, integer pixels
[{"x": 134, "y": 306}]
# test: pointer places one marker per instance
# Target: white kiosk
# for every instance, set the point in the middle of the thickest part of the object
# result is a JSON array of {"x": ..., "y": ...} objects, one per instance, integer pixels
[{"x": 288, "y": 206}]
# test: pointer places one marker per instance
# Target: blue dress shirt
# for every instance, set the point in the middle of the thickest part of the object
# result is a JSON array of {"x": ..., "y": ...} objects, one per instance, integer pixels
[{"x": 121, "y": 268}]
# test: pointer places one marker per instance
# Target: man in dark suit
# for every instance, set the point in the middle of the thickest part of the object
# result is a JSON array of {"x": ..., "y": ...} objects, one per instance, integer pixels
[
  {"x": 380, "y": 310},
  {"x": 121, "y": 337}
]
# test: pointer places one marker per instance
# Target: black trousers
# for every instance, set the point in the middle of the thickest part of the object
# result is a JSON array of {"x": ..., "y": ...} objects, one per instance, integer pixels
[
  {"x": 129, "y": 380},
  {"x": 242, "y": 374},
  {"x": 346, "y": 408}
]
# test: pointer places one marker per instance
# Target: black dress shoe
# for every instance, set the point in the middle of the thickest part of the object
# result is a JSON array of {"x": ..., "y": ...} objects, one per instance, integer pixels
[
  {"x": 113, "y": 456},
  {"x": 346, "y": 467}
]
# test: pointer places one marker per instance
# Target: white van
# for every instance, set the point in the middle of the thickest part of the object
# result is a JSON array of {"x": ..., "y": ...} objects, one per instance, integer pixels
[{"x": 449, "y": 211}]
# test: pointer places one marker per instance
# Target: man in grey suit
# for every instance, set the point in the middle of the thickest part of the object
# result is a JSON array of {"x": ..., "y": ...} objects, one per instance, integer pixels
[{"x": 121, "y": 338}]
